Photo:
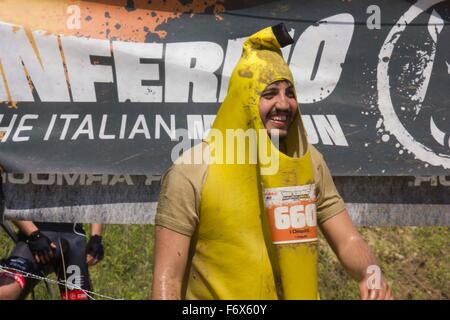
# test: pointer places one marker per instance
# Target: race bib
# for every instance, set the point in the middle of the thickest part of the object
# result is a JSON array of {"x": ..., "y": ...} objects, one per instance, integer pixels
[{"x": 292, "y": 213}]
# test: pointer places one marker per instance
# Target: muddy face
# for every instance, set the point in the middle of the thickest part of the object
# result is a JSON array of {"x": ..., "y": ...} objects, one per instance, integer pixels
[{"x": 277, "y": 107}]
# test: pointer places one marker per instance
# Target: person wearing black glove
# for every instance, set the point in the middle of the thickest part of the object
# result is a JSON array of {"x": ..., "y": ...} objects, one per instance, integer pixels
[
  {"x": 41, "y": 247},
  {"x": 94, "y": 247},
  {"x": 46, "y": 247}
]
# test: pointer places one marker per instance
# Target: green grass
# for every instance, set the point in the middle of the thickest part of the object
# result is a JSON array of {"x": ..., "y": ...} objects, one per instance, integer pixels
[{"x": 415, "y": 261}]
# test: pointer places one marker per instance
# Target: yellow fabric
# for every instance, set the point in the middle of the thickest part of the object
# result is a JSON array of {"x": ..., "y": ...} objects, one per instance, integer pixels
[{"x": 233, "y": 254}]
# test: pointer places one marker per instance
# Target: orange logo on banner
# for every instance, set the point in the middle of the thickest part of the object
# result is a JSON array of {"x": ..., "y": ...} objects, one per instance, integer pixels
[{"x": 292, "y": 214}]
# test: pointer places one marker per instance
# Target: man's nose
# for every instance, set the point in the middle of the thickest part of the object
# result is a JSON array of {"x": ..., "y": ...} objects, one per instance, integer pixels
[{"x": 282, "y": 102}]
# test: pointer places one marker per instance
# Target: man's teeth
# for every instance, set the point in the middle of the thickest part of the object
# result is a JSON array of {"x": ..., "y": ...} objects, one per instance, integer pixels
[{"x": 279, "y": 118}]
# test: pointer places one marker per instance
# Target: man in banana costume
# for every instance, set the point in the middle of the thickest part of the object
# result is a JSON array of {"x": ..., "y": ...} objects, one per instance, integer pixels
[{"x": 242, "y": 222}]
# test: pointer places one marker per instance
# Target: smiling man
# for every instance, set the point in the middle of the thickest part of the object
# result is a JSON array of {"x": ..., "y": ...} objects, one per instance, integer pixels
[
  {"x": 277, "y": 107},
  {"x": 230, "y": 231}
]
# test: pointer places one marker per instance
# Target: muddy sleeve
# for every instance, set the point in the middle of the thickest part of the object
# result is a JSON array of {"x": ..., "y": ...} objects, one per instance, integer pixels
[
  {"x": 177, "y": 205},
  {"x": 329, "y": 201}
]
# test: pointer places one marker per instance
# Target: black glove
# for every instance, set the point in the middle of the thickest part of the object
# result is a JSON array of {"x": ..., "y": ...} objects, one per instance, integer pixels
[
  {"x": 95, "y": 247},
  {"x": 40, "y": 247}
]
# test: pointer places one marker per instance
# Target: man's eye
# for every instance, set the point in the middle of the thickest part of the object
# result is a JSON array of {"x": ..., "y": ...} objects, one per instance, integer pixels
[
  {"x": 268, "y": 95},
  {"x": 290, "y": 93}
]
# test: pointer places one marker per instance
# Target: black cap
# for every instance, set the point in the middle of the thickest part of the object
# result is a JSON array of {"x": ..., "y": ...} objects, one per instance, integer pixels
[{"x": 282, "y": 35}]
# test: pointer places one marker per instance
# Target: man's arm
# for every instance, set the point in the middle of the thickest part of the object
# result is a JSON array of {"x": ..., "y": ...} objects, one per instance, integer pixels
[
  {"x": 170, "y": 258},
  {"x": 27, "y": 227},
  {"x": 354, "y": 254},
  {"x": 96, "y": 229},
  {"x": 175, "y": 222}
]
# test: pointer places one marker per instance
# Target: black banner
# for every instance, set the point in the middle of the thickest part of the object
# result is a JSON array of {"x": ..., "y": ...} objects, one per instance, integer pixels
[{"x": 110, "y": 94}]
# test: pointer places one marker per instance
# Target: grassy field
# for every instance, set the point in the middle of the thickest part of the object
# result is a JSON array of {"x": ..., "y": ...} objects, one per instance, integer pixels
[{"x": 415, "y": 260}]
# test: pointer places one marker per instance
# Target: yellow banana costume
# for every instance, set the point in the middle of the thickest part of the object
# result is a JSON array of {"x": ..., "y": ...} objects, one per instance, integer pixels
[{"x": 241, "y": 249}]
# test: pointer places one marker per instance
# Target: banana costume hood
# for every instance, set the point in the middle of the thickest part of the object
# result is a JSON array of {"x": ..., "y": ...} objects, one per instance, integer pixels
[{"x": 257, "y": 233}]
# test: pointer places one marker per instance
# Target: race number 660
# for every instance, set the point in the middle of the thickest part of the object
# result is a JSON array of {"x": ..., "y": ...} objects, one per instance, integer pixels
[{"x": 298, "y": 216}]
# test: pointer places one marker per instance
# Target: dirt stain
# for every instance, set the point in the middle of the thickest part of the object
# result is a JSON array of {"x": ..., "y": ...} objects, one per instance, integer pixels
[
  {"x": 94, "y": 17},
  {"x": 245, "y": 73}
]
